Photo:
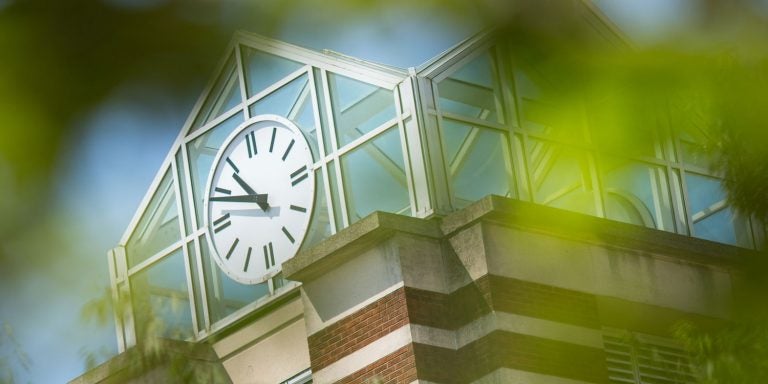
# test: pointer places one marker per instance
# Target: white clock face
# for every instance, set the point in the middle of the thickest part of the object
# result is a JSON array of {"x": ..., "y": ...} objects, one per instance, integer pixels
[{"x": 259, "y": 198}]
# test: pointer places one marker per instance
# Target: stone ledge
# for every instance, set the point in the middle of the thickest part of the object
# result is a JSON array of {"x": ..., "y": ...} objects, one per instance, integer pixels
[
  {"x": 354, "y": 239},
  {"x": 578, "y": 226}
]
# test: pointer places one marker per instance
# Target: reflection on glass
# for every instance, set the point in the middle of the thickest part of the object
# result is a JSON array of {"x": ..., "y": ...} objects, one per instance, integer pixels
[
  {"x": 539, "y": 110},
  {"x": 711, "y": 217},
  {"x": 560, "y": 177},
  {"x": 201, "y": 152},
  {"x": 294, "y": 102},
  {"x": 262, "y": 69},
  {"x": 358, "y": 107},
  {"x": 320, "y": 226},
  {"x": 374, "y": 177},
  {"x": 224, "y": 96},
  {"x": 692, "y": 151},
  {"x": 159, "y": 224},
  {"x": 478, "y": 162},
  {"x": 472, "y": 91},
  {"x": 225, "y": 295},
  {"x": 637, "y": 193},
  {"x": 161, "y": 299}
]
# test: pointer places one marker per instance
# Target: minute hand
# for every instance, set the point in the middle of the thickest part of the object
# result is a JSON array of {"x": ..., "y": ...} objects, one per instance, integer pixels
[
  {"x": 262, "y": 199},
  {"x": 247, "y": 188}
]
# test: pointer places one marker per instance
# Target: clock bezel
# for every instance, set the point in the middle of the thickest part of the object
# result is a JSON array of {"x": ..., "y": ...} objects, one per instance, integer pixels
[{"x": 265, "y": 120}]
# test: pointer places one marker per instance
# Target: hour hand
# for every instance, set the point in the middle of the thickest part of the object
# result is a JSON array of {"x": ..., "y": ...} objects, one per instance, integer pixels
[{"x": 247, "y": 188}]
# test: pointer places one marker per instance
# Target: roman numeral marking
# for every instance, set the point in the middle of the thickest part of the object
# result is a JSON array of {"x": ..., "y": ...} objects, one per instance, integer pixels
[
  {"x": 272, "y": 144},
  {"x": 247, "y": 260},
  {"x": 298, "y": 209},
  {"x": 250, "y": 141},
  {"x": 269, "y": 255},
  {"x": 232, "y": 164},
  {"x": 221, "y": 223},
  {"x": 299, "y": 175},
  {"x": 232, "y": 248},
  {"x": 222, "y": 190},
  {"x": 288, "y": 150},
  {"x": 288, "y": 235}
]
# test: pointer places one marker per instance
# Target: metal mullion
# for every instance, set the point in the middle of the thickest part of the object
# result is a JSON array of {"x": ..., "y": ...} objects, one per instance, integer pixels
[
  {"x": 362, "y": 70},
  {"x": 213, "y": 123},
  {"x": 686, "y": 202},
  {"x": 277, "y": 85},
  {"x": 334, "y": 147},
  {"x": 354, "y": 144},
  {"x": 201, "y": 284},
  {"x": 146, "y": 263},
  {"x": 190, "y": 288},
  {"x": 323, "y": 162},
  {"x": 475, "y": 121},
  {"x": 115, "y": 293},
  {"x": 296, "y": 107},
  {"x": 177, "y": 190},
  {"x": 240, "y": 71},
  {"x": 190, "y": 195}
]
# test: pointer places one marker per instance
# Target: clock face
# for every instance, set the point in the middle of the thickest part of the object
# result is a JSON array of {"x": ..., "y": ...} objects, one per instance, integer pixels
[{"x": 259, "y": 198}]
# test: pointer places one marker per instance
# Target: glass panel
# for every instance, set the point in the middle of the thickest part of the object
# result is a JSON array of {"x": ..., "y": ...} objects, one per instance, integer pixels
[
  {"x": 478, "y": 162},
  {"x": 623, "y": 129},
  {"x": 161, "y": 299},
  {"x": 225, "y": 295},
  {"x": 262, "y": 69},
  {"x": 201, "y": 152},
  {"x": 358, "y": 107},
  {"x": 711, "y": 217},
  {"x": 637, "y": 193},
  {"x": 471, "y": 90},
  {"x": 185, "y": 213},
  {"x": 543, "y": 113},
  {"x": 224, "y": 96},
  {"x": 294, "y": 102},
  {"x": 560, "y": 177},
  {"x": 374, "y": 177},
  {"x": 320, "y": 226},
  {"x": 692, "y": 149},
  {"x": 159, "y": 224}
]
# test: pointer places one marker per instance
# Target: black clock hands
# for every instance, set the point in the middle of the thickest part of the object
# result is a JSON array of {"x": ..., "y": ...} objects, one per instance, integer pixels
[{"x": 259, "y": 199}]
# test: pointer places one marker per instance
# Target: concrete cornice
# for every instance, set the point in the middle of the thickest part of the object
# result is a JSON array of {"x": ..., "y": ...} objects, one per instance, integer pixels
[
  {"x": 577, "y": 226},
  {"x": 354, "y": 239}
]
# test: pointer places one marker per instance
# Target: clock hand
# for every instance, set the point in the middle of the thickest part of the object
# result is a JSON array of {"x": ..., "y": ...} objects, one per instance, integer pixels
[
  {"x": 247, "y": 188},
  {"x": 258, "y": 198}
]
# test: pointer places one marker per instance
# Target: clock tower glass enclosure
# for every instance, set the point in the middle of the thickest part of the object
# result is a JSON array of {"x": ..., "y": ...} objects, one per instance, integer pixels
[{"x": 426, "y": 141}]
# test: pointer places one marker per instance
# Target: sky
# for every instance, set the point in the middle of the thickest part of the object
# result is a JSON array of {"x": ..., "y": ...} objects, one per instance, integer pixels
[{"x": 111, "y": 161}]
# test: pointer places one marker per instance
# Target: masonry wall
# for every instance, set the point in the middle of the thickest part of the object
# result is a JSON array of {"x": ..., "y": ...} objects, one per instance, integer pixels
[{"x": 500, "y": 292}]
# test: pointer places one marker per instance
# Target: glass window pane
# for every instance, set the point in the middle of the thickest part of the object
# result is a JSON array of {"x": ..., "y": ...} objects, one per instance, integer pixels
[
  {"x": 637, "y": 193},
  {"x": 224, "y": 96},
  {"x": 294, "y": 102},
  {"x": 320, "y": 87},
  {"x": 712, "y": 218},
  {"x": 335, "y": 195},
  {"x": 158, "y": 227},
  {"x": 374, "y": 177},
  {"x": 225, "y": 295},
  {"x": 161, "y": 299},
  {"x": 542, "y": 112},
  {"x": 262, "y": 69},
  {"x": 560, "y": 176},
  {"x": 472, "y": 91},
  {"x": 192, "y": 254},
  {"x": 201, "y": 152},
  {"x": 478, "y": 162},
  {"x": 692, "y": 149},
  {"x": 358, "y": 107}
]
